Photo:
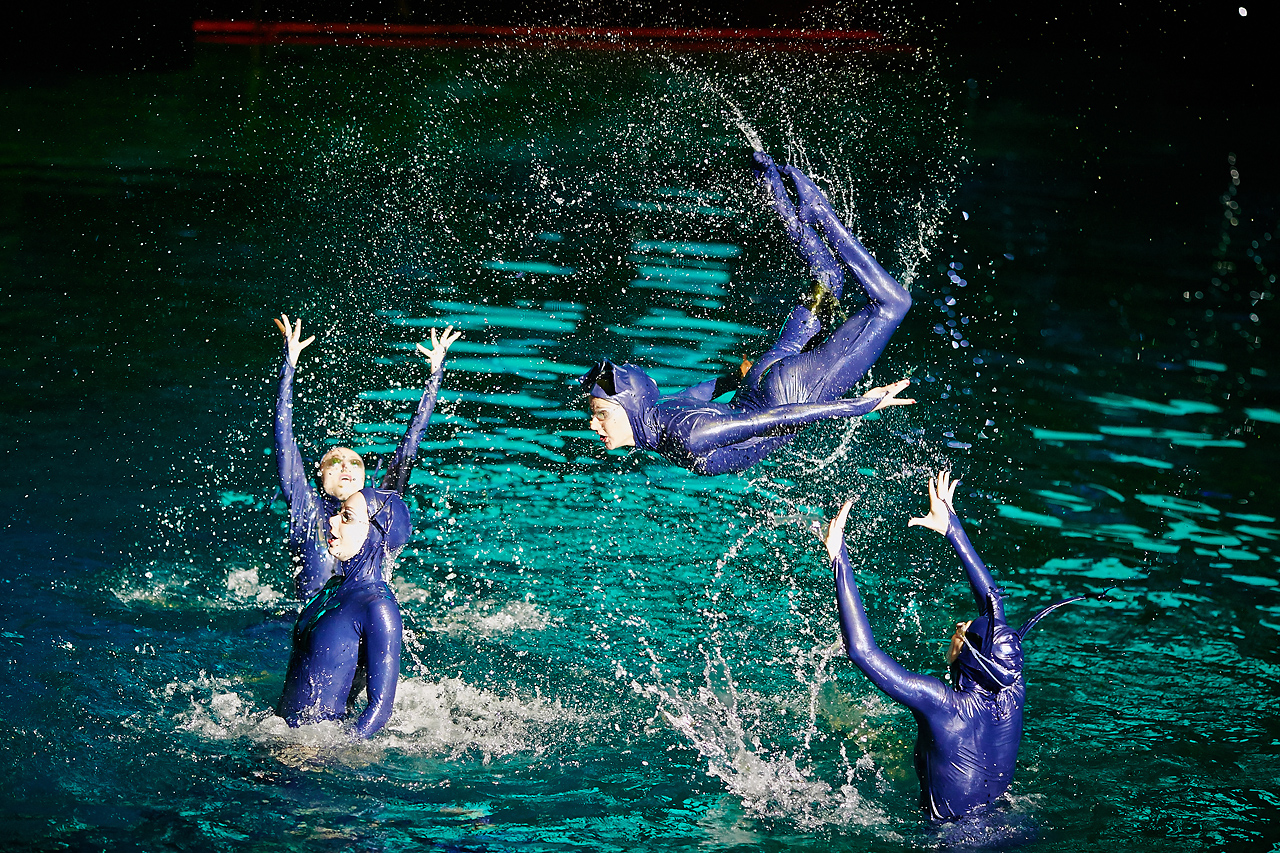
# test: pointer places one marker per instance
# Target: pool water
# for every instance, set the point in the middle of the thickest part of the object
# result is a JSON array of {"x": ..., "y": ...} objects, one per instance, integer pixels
[{"x": 602, "y": 651}]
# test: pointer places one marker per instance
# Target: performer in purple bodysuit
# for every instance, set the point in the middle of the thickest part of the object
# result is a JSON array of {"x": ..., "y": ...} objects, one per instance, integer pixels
[
  {"x": 791, "y": 385},
  {"x": 341, "y": 469},
  {"x": 969, "y": 730},
  {"x": 347, "y": 639}
]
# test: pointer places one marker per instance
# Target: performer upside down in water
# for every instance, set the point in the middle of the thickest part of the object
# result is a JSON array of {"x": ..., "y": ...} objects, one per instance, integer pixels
[
  {"x": 970, "y": 730},
  {"x": 342, "y": 471},
  {"x": 347, "y": 639},
  {"x": 786, "y": 388}
]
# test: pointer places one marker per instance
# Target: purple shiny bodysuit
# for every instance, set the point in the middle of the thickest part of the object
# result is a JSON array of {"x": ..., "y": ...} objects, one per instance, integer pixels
[
  {"x": 347, "y": 639},
  {"x": 969, "y": 734},
  {"x": 309, "y": 507},
  {"x": 789, "y": 386}
]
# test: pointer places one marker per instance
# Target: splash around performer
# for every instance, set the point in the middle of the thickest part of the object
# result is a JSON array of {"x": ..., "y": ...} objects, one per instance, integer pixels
[
  {"x": 347, "y": 639},
  {"x": 969, "y": 730},
  {"x": 341, "y": 471},
  {"x": 800, "y": 381}
]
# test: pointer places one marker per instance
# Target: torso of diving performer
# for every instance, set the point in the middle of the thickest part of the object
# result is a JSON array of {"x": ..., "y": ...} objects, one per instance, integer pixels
[{"x": 693, "y": 431}]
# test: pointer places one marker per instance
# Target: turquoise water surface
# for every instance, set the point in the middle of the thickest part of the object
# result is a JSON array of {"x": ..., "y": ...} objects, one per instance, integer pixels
[{"x": 603, "y": 652}]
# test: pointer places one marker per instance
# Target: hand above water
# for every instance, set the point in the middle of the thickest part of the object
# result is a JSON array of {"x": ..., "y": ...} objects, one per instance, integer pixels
[
  {"x": 291, "y": 336},
  {"x": 440, "y": 343},
  {"x": 891, "y": 393},
  {"x": 835, "y": 530},
  {"x": 942, "y": 490}
]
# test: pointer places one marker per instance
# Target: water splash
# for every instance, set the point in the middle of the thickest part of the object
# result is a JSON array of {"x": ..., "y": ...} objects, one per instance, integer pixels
[
  {"x": 740, "y": 736},
  {"x": 449, "y": 718},
  {"x": 453, "y": 718},
  {"x": 740, "y": 121}
]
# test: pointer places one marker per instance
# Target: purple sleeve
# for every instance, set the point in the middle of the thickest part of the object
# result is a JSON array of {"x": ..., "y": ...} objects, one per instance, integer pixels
[
  {"x": 980, "y": 581},
  {"x": 382, "y": 638},
  {"x": 293, "y": 477},
  {"x": 401, "y": 464},
  {"x": 918, "y": 692},
  {"x": 721, "y": 430}
]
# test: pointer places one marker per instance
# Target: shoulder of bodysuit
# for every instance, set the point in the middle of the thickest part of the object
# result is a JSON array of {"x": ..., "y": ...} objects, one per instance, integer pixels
[{"x": 377, "y": 593}]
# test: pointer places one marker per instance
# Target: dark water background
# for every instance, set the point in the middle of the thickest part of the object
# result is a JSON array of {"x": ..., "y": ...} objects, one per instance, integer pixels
[{"x": 604, "y": 652}]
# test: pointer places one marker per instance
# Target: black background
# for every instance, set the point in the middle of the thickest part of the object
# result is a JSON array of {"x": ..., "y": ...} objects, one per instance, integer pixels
[{"x": 1202, "y": 63}]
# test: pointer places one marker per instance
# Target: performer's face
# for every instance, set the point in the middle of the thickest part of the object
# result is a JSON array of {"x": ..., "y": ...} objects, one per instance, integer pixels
[
  {"x": 957, "y": 641},
  {"x": 349, "y": 528},
  {"x": 341, "y": 472},
  {"x": 609, "y": 420}
]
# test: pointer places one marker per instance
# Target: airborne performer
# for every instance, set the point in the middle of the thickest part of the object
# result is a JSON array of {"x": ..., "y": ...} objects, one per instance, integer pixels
[
  {"x": 788, "y": 387},
  {"x": 341, "y": 472},
  {"x": 970, "y": 730}
]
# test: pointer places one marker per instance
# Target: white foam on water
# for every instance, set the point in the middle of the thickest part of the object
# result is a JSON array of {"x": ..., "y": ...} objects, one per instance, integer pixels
[
  {"x": 168, "y": 585},
  {"x": 215, "y": 708},
  {"x": 457, "y": 719},
  {"x": 449, "y": 717},
  {"x": 245, "y": 584},
  {"x": 726, "y": 726},
  {"x": 487, "y": 620}
]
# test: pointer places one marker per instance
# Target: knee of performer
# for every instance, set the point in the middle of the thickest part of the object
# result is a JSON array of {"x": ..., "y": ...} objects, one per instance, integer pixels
[{"x": 897, "y": 301}]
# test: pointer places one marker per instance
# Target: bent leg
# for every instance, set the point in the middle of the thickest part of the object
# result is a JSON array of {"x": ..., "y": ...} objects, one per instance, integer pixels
[
  {"x": 796, "y": 333},
  {"x": 822, "y": 264},
  {"x": 880, "y": 287},
  {"x": 828, "y": 372}
]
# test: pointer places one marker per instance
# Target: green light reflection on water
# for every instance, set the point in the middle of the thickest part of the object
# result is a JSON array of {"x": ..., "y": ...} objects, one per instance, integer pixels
[{"x": 511, "y": 602}]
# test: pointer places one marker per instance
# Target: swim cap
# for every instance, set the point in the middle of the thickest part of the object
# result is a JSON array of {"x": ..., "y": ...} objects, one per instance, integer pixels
[
  {"x": 389, "y": 516},
  {"x": 633, "y": 390},
  {"x": 992, "y": 652},
  {"x": 389, "y": 529},
  {"x": 991, "y": 655}
]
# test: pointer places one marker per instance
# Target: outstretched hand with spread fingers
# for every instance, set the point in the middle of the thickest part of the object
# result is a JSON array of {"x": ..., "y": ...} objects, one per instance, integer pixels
[
  {"x": 891, "y": 393},
  {"x": 440, "y": 343},
  {"x": 835, "y": 530},
  {"x": 942, "y": 490},
  {"x": 292, "y": 334}
]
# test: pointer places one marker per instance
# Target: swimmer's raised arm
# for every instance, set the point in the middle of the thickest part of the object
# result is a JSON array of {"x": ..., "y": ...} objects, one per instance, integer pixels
[
  {"x": 943, "y": 519},
  {"x": 293, "y": 476},
  {"x": 401, "y": 464},
  {"x": 917, "y": 692},
  {"x": 440, "y": 343},
  {"x": 779, "y": 420},
  {"x": 292, "y": 335}
]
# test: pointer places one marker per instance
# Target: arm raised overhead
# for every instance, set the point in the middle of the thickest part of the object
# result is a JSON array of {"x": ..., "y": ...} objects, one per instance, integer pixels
[{"x": 920, "y": 693}]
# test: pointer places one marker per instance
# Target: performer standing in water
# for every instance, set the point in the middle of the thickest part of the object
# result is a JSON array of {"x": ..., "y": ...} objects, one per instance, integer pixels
[
  {"x": 341, "y": 468},
  {"x": 787, "y": 387},
  {"x": 348, "y": 637},
  {"x": 969, "y": 731}
]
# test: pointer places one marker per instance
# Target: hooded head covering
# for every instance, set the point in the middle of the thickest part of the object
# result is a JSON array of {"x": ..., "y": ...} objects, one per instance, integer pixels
[
  {"x": 633, "y": 390},
  {"x": 389, "y": 529},
  {"x": 991, "y": 656}
]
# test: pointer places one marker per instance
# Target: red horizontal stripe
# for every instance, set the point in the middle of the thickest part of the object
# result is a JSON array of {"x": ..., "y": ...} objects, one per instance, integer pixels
[
  {"x": 302, "y": 28},
  {"x": 463, "y": 35}
]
